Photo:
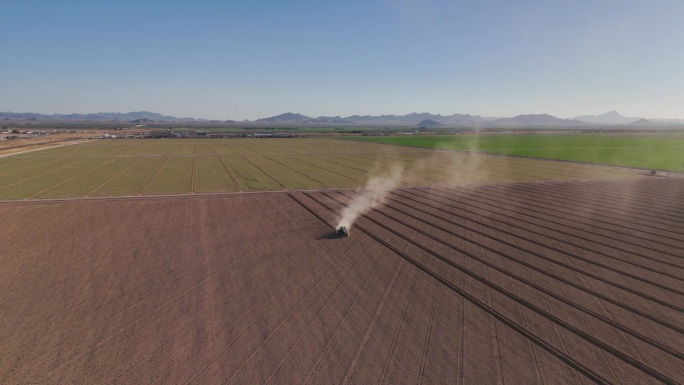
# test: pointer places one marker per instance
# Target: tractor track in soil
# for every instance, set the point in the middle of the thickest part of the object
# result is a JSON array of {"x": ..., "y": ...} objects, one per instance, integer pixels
[
  {"x": 580, "y": 281},
  {"x": 493, "y": 226},
  {"x": 627, "y": 359},
  {"x": 663, "y": 303},
  {"x": 582, "y": 224},
  {"x": 562, "y": 206}
]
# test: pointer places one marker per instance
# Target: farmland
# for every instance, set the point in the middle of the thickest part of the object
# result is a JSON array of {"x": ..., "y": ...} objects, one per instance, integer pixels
[
  {"x": 559, "y": 282},
  {"x": 41, "y": 139},
  {"x": 216, "y": 262},
  {"x": 661, "y": 152},
  {"x": 185, "y": 166}
]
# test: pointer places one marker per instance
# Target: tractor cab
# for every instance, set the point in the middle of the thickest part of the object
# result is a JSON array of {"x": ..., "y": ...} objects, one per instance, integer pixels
[{"x": 343, "y": 232}]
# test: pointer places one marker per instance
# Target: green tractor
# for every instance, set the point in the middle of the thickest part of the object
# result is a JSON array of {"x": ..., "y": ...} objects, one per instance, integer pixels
[{"x": 343, "y": 232}]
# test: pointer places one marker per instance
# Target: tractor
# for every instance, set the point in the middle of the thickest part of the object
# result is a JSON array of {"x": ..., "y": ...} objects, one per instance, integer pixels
[{"x": 343, "y": 232}]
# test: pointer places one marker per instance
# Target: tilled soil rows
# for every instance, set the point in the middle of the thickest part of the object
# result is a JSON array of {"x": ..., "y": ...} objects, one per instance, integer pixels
[{"x": 514, "y": 283}]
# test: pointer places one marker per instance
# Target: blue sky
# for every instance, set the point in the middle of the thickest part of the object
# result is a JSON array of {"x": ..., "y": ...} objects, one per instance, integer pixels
[{"x": 250, "y": 59}]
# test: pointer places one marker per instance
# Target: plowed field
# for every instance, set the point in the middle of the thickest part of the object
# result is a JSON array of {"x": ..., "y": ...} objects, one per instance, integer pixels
[{"x": 511, "y": 283}]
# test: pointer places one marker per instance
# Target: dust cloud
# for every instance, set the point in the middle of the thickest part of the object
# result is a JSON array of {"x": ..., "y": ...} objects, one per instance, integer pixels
[
  {"x": 373, "y": 195},
  {"x": 444, "y": 166},
  {"x": 453, "y": 165}
]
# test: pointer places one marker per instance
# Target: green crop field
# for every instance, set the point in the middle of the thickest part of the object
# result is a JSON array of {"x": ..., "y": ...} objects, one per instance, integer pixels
[
  {"x": 661, "y": 153},
  {"x": 124, "y": 167}
]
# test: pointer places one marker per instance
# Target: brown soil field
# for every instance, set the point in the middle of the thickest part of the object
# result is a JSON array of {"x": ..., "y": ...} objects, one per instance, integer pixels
[
  {"x": 27, "y": 143},
  {"x": 569, "y": 282},
  {"x": 7, "y": 148}
]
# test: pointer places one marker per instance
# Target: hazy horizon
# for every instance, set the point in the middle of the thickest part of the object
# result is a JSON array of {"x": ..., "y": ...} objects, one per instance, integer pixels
[
  {"x": 317, "y": 116},
  {"x": 249, "y": 60}
]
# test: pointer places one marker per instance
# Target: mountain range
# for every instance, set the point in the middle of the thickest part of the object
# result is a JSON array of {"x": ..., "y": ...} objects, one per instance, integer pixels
[
  {"x": 427, "y": 119},
  {"x": 414, "y": 119},
  {"x": 100, "y": 116},
  {"x": 611, "y": 117},
  {"x": 614, "y": 118}
]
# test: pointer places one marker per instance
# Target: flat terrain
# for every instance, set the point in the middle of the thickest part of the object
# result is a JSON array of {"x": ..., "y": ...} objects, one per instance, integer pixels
[
  {"x": 187, "y": 166},
  {"x": 477, "y": 269},
  {"x": 13, "y": 147},
  {"x": 511, "y": 283},
  {"x": 663, "y": 151}
]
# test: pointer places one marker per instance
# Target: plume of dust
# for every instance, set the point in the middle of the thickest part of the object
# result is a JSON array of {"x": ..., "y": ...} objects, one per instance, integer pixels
[
  {"x": 372, "y": 195},
  {"x": 469, "y": 166},
  {"x": 446, "y": 165},
  {"x": 453, "y": 164}
]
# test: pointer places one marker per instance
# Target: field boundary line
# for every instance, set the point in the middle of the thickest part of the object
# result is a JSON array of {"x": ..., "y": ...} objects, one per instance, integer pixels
[
  {"x": 155, "y": 175},
  {"x": 432, "y": 321},
  {"x": 78, "y": 141},
  {"x": 45, "y": 173},
  {"x": 511, "y": 201},
  {"x": 524, "y": 263},
  {"x": 364, "y": 342},
  {"x": 113, "y": 177},
  {"x": 318, "y": 156},
  {"x": 323, "y": 168},
  {"x": 73, "y": 177},
  {"x": 318, "y": 316},
  {"x": 192, "y": 176},
  {"x": 595, "y": 377},
  {"x": 376, "y": 315},
  {"x": 378, "y": 311},
  {"x": 236, "y": 153},
  {"x": 230, "y": 174},
  {"x": 653, "y": 215},
  {"x": 574, "y": 330},
  {"x": 502, "y": 270},
  {"x": 555, "y": 239},
  {"x": 525, "y": 323},
  {"x": 608, "y": 214},
  {"x": 521, "y": 203},
  {"x": 525, "y": 281},
  {"x": 401, "y": 323},
  {"x": 13, "y": 171},
  {"x": 265, "y": 173},
  {"x": 311, "y": 211},
  {"x": 294, "y": 169},
  {"x": 611, "y": 213}
]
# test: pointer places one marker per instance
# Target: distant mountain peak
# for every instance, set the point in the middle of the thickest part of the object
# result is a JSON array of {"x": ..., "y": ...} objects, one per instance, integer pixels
[
  {"x": 288, "y": 117},
  {"x": 642, "y": 122},
  {"x": 429, "y": 123},
  {"x": 610, "y": 117},
  {"x": 537, "y": 120}
]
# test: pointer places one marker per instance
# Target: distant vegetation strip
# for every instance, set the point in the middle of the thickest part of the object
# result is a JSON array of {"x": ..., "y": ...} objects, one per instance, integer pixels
[
  {"x": 185, "y": 166},
  {"x": 630, "y": 151}
]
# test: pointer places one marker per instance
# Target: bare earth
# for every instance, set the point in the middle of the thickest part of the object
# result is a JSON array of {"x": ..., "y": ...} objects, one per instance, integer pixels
[
  {"x": 10, "y": 151},
  {"x": 35, "y": 143},
  {"x": 512, "y": 283}
]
